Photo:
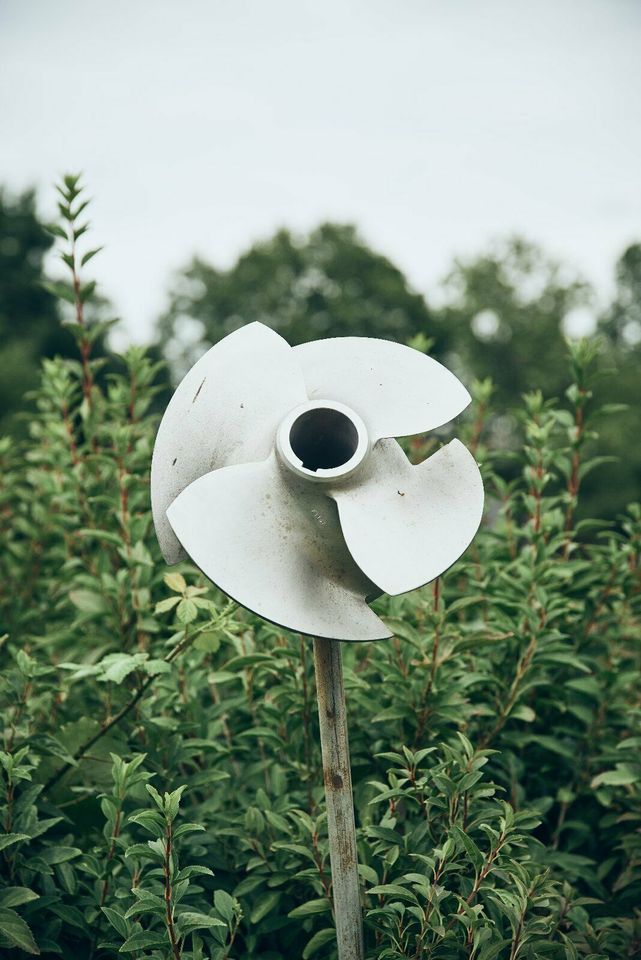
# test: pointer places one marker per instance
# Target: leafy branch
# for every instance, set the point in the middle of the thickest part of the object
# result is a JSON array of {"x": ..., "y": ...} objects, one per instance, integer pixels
[{"x": 186, "y": 641}]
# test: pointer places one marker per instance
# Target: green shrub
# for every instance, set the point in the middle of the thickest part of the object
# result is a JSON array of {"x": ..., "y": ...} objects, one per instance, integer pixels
[{"x": 161, "y": 785}]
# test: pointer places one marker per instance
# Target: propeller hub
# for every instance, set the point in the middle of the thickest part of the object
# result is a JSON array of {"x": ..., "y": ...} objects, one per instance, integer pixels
[{"x": 322, "y": 441}]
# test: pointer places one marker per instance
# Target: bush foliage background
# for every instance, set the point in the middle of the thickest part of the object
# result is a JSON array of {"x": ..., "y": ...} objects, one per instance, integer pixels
[{"x": 162, "y": 792}]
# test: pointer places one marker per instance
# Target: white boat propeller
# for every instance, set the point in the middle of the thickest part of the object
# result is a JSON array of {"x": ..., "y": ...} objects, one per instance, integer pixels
[{"x": 276, "y": 471}]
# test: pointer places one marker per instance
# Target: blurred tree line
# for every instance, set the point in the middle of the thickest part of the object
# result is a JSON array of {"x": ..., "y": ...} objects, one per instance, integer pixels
[{"x": 502, "y": 317}]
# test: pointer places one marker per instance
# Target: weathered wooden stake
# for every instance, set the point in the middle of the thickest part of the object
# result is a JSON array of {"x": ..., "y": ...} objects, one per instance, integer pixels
[{"x": 338, "y": 793}]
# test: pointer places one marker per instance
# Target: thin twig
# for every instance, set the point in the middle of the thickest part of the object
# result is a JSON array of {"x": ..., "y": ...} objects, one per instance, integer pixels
[
  {"x": 122, "y": 713},
  {"x": 168, "y": 894}
]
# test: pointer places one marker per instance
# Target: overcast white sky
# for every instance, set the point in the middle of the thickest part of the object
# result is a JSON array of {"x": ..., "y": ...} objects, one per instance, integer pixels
[{"x": 202, "y": 125}]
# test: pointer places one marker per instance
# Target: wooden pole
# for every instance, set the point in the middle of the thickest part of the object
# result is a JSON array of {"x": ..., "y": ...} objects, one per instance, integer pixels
[{"x": 338, "y": 793}]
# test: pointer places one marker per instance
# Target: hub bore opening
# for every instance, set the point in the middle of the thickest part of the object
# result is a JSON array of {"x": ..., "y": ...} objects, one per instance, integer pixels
[{"x": 323, "y": 438}]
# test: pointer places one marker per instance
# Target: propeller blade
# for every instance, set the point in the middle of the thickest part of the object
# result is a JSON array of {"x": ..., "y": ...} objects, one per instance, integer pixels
[
  {"x": 397, "y": 391},
  {"x": 273, "y": 543},
  {"x": 225, "y": 411},
  {"x": 405, "y": 525}
]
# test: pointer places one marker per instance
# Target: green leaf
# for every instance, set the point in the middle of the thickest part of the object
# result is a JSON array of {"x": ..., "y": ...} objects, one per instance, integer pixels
[
  {"x": 81, "y": 206},
  {"x": 186, "y": 611},
  {"x": 89, "y": 255},
  {"x": 172, "y": 802},
  {"x": 61, "y": 291},
  {"x": 187, "y": 828},
  {"x": 175, "y": 582},
  {"x": 194, "y": 870},
  {"x": 615, "y": 778},
  {"x": 297, "y": 848},
  {"x": 87, "y": 601},
  {"x": 143, "y": 851},
  {"x": 464, "y": 602},
  {"x": 192, "y": 920},
  {"x": 473, "y": 851},
  {"x": 610, "y": 408},
  {"x": 117, "y": 921},
  {"x": 154, "y": 667},
  {"x": 146, "y": 903},
  {"x": 390, "y": 890},
  {"x": 155, "y": 796},
  {"x": 208, "y": 641},
  {"x": 71, "y": 181},
  {"x": 310, "y": 908},
  {"x": 60, "y": 854},
  {"x": 225, "y": 905},
  {"x": 587, "y": 685},
  {"x": 7, "y": 839},
  {"x": 107, "y": 535},
  {"x": 367, "y": 873},
  {"x": 15, "y": 896},
  {"x": 55, "y": 230},
  {"x": 144, "y": 940},
  {"x": 264, "y": 905},
  {"x": 16, "y": 931},
  {"x": 320, "y": 938},
  {"x": 277, "y": 821},
  {"x": 149, "y": 819},
  {"x": 168, "y": 604},
  {"x": 523, "y": 712},
  {"x": 117, "y": 666}
]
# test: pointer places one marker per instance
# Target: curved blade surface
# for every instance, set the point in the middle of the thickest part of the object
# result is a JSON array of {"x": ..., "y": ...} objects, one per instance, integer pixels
[
  {"x": 274, "y": 545},
  {"x": 397, "y": 391},
  {"x": 405, "y": 525},
  {"x": 225, "y": 411}
]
